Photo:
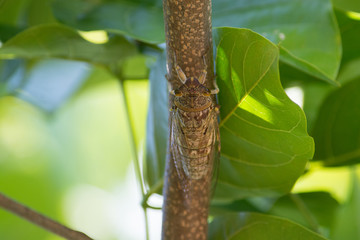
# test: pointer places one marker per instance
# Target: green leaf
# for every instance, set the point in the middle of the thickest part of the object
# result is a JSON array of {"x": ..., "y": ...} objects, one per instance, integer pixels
[
  {"x": 306, "y": 30},
  {"x": 141, "y": 21},
  {"x": 264, "y": 141},
  {"x": 7, "y": 32},
  {"x": 348, "y": 219},
  {"x": 157, "y": 124},
  {"x": 257, "y": 204},
  {"x": 348, "y": 5},
  {"x": 336, "y": 130},
  {"x": 349, "y": 71},
  {"x": 250, "y": 226},
  {"x": 40, "y": 12},
  {"x": 314, "y": 96},
  {"x": 16, "y": 15},
  {"x": 311, "y": 209},
  {"x": 56, "y": 41},
  {"x": 350, "y": 37},
  {"x": 13, "y": 12},
  {"x": 314, "y": 91}
]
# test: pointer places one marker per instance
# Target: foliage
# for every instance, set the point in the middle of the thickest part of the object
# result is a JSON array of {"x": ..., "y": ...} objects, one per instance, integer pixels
[{"x": 52, "y": 70}]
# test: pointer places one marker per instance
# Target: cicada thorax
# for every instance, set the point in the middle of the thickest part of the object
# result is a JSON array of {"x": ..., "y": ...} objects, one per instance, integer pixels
[{"x": 194, "y": 111}]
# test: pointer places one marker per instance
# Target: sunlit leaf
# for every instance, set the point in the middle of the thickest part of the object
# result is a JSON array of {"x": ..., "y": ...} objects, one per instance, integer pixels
[
  {"x": 57, "y": 41},
  {"x": 250, "y": 226},
  {"x": 264, "y": 141},
  {"x": 336, "y": 131}
]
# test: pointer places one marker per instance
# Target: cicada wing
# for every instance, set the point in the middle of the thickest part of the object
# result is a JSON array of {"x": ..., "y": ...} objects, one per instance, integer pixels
[
  {"x": 215, "y": 152},
  {"x": 176, "y": 156},
  {"x": 210, "y": 179}
]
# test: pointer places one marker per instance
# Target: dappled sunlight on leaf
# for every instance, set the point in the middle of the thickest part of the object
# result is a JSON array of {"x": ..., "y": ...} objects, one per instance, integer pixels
[
  {"x": 265, "y": 145},
  {"x": 98, "y": 37},
  {"x": 255, "y": 107}
]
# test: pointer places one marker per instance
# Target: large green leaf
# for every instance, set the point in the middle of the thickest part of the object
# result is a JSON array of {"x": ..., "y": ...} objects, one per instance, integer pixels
[
  {"x": 57, "y": 41},
  {"x": 305, "y": 30},
  {"x": 135, "y": 19},
  {"x": 250, "y": 226},
  {"x": 337, "y": 129},
  {"x": 157, "y": 124},
  {"x": 264, "y": 141}
]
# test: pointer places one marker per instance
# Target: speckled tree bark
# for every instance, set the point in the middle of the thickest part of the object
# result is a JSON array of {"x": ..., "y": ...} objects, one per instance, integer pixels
[{"x": 189, "y": 41}]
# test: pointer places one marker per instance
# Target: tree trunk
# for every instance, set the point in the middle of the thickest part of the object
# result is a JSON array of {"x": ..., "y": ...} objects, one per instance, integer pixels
[{"x": 189, "y": 43}]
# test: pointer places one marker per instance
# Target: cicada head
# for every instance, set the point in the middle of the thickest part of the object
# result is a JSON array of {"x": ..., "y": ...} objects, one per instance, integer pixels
[{"x": 191, "y": 86}]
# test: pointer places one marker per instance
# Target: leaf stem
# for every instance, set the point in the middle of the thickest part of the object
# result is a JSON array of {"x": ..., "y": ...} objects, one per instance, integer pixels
[
  {"x": 40, "y": 220},
  {"x": 158, "y": 185},
  {"x": 305, "y": 212},
  {"x": 135, "y": 153}
]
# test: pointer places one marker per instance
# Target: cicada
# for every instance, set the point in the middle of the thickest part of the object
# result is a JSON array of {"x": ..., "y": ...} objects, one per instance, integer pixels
[{"x": 194, "y": 131}]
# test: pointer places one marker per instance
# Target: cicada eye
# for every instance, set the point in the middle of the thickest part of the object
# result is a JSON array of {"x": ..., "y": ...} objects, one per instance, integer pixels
[
  {"x": 178, "y": 93},
  {"x": 206, "y": 92}
]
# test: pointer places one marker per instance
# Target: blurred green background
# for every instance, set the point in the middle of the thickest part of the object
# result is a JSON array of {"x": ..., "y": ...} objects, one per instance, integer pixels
[
  {"x": 72, "y": 163},
  {"x": 65, "y": 126}
]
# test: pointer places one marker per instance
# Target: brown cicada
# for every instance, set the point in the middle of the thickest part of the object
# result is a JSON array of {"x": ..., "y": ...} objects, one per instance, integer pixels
[{"x": 194, "y": 132}]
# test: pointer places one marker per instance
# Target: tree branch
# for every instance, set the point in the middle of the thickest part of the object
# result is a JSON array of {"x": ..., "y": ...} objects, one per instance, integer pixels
[
  {"x": 189, "y": 43},
  {"x": 39, "y": 219}
]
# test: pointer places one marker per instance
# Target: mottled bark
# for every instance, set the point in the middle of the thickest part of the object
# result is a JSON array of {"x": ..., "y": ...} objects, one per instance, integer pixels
[{"x": 189, "y": 42}]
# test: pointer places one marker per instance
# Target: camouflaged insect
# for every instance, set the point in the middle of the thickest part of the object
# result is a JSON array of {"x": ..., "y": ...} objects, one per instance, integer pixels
[{"x": 194, "y": 130}]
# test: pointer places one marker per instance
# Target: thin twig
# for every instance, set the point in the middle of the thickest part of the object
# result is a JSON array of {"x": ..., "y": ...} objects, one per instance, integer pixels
[
  {"x": 40, "y": 220},
  {"x": 157, "y": 186}
]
